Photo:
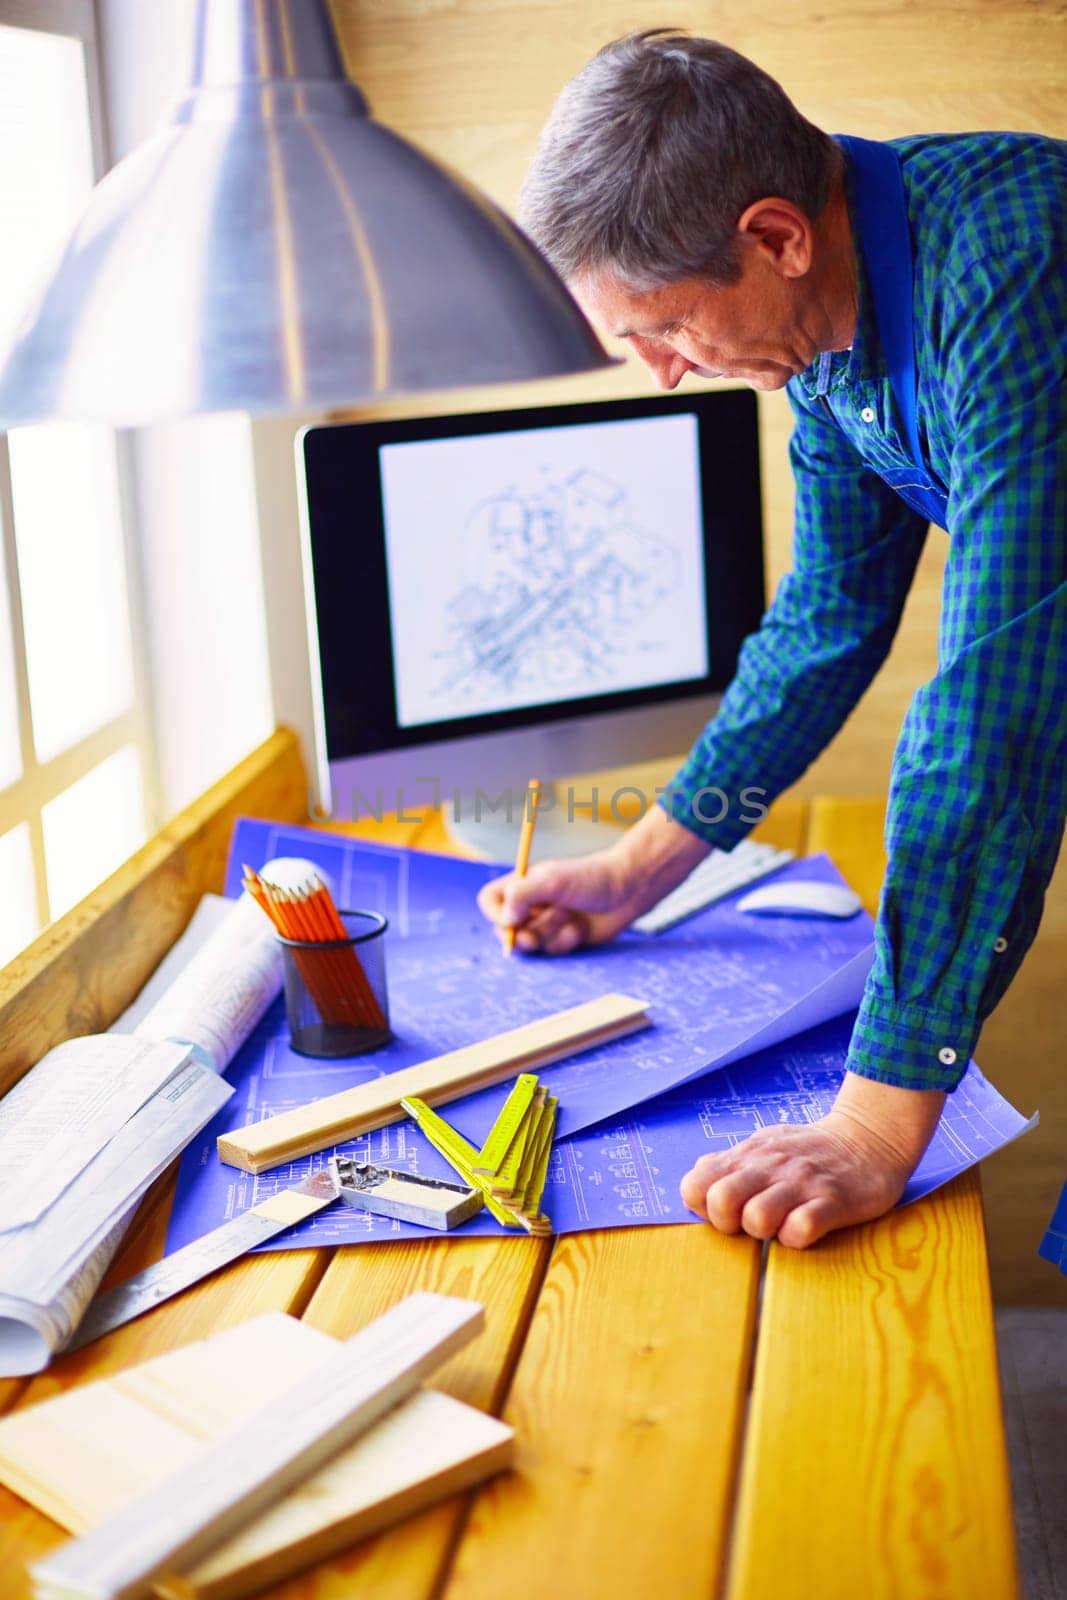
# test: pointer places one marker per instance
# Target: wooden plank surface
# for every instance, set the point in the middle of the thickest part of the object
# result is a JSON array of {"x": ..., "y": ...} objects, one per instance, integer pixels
[
  {"x": 86, "y": 968},
  {"x": 505, "y": 1275},
  {"x": 103, "y": 1444},
  {"x": 879, "y": 1345},
  {"x": 626, "y": 1353},
  {"x": 627, "y": 1402}
]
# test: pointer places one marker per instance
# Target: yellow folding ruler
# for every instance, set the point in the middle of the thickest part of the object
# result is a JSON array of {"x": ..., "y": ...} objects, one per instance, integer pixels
[{"x": 511, "y": 1167}]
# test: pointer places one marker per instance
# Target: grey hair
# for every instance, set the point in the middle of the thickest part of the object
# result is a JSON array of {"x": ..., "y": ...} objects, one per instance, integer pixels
[{"x": 652, "y": 153}]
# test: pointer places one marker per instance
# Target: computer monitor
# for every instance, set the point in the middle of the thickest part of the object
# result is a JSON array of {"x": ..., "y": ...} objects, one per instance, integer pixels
[{"x": 538, "y": 592}]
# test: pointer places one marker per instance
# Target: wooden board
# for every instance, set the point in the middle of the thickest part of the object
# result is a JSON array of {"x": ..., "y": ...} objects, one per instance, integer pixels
[
  {"x": 256, "y": 1459},
  {"x": 874, "y": 1460},
  {"x": 283, "y": 1281},
  {"x": 409, "y": 1562},
  {"x": 84, "y": 1456},
  {"x": 368, "y": 1106},
  {"x": 627, "y": 1403}
]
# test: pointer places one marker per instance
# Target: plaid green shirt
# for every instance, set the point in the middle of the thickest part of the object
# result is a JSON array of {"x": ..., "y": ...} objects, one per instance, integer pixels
[{"x": 979, "y": 787}]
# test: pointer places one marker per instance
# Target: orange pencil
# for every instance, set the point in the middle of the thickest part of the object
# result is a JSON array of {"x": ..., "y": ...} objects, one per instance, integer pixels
[
  {"x": 351, "y": 990},
  {"x": 335, "y": 978},
  {"x": 324, "y": 986},
  {"x": 522, "y": 858},
  {"x": 327, "y": 920},
  {"x": 318, "y": 968},
  {"x": 312, "y": 967}
]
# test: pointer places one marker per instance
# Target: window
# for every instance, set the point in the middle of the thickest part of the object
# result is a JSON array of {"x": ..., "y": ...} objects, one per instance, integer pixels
[{"x": 77, "y": 787}]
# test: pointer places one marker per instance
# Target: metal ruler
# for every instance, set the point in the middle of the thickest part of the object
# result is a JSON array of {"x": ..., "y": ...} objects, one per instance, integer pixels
[{"x": 202, "y": 1257}]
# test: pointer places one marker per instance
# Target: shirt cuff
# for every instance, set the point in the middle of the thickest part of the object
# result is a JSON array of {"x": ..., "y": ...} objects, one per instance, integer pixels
[
  {"x": 707, "y": 811},
  {"x": 911, "y": 1047}
]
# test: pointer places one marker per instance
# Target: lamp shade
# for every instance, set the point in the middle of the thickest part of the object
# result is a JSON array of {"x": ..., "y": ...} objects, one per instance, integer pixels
[{"x": 272, "y": 248}]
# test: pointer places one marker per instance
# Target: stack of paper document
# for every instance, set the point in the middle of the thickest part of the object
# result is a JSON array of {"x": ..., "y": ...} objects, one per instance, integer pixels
[{"x": 84, "y": 1134}]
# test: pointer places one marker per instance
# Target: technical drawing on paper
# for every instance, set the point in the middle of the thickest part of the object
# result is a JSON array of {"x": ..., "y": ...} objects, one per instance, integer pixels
[
  {"x": 553, "y": 576},
  {"x": 640, "y": 1109}
]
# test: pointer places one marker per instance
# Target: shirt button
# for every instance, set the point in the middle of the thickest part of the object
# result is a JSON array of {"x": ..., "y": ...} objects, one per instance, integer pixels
[
  {"x": 947, "y": 1056},
  {"x": 867, "y": 414},
  {"x": 1000, "y": 945}
]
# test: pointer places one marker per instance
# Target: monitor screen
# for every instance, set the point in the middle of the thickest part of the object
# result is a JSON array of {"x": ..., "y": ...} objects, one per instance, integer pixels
[
  {"x": 559, "y": 565},
  {"x": 474, "y": 574}
]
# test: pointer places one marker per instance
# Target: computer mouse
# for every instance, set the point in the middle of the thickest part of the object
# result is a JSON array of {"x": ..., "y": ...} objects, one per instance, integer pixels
[{"x": 797, "y": 897}]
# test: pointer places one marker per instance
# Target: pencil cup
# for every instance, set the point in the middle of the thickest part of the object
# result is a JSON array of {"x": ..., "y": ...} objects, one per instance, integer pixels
[{"x": 335, "y": 991}]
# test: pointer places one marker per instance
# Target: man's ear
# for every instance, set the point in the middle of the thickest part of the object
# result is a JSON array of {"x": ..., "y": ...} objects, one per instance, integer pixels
[{"x": 782, "y": 234}]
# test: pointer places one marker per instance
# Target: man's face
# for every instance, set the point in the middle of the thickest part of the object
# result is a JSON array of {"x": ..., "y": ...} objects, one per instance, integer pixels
[{"x": 761, "y": 330}]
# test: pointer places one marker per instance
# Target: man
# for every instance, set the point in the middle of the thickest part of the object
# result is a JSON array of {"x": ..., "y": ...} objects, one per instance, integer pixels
[{"x": 911, "y": 298}]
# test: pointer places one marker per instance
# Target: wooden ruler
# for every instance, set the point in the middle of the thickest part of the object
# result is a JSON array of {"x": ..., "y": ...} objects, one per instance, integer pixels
[{"x": 344, "y": 1116}]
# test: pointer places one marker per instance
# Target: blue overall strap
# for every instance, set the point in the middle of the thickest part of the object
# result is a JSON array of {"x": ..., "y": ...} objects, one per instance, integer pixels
[{"x": 882, "y": 219}]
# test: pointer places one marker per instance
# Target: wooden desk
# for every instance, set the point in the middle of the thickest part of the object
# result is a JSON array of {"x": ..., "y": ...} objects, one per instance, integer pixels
[{"x": 846, "y": 1441}]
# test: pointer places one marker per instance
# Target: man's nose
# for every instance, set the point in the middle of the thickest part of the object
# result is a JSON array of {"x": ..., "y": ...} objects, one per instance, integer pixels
[
  {"x": 669, "y": 374},
  {"x": 667, "y": 367}
]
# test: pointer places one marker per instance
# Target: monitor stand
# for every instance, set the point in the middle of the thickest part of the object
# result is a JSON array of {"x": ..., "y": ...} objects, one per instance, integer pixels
[{"x": 494, "y": 835}]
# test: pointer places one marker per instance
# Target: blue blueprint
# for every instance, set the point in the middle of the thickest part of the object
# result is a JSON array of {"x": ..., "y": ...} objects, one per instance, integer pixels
[
  {"x": 722, "y": 988},
  {"x": 626, "y": 1172},
  {"x": 718, "y": 986}
]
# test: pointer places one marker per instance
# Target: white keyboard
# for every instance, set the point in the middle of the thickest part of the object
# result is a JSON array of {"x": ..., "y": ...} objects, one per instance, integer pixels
[{"x": 715, "y": 878}]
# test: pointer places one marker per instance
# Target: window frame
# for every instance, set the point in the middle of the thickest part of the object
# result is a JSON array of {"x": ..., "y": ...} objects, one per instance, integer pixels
[{"x": 23, "y": 800}]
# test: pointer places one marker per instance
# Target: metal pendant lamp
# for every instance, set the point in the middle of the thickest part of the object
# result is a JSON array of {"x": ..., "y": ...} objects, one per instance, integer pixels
[{"x": 273, "y": 249}]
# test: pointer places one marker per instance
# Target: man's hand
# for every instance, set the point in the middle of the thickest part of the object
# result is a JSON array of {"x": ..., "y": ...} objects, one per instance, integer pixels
[
  {"x": 560, "y": 905},
  {"x": 799, "y": 1182}
]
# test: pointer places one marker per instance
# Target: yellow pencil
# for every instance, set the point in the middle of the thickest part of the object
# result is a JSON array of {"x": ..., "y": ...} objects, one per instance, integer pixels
[{"x": 522, "y": 858}]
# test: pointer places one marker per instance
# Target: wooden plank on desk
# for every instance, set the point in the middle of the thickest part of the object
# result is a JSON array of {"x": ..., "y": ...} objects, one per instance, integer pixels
[
  {"x": 245, "y": 1470},
  {"x": 368, "y": 1106},
  {"x": 280, "y": 1281},
  {"x": 86, "y": 968},
  {"x": 627, "y": 1403},
  {"x": 505, "y": 1275},
  {"x": 879, "y": 1344}
]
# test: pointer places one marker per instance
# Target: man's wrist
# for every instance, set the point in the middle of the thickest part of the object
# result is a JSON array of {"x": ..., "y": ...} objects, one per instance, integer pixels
[
  {"x": 901, "y": 1121},
  {"x": 655, "y": 855}
]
